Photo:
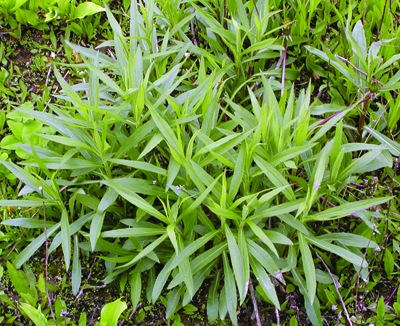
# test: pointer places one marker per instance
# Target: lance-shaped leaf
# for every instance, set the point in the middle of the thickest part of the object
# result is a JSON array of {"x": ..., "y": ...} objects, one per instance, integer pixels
[
  {"x": 262, "y": 236},
  {"x": 28, "y": 223},
  {"x": 344, "y": 253},
  {"x": 276, "y": 177},
  {"x": 29, "y": 251},
  {"x": 146, "y": 251},
  {"x": 237, "y": 261},
  {"x": 76, "y": 268},
  {"x": 346, "y": 209},
  {"x": 308, "y": 267},
  {"x": 265, "y": 281},
  {"x": 135, "y": 199},
  {"x": 391, "y": 145},
  {"x": 65, "y": 238},
  {"x": 97, "y": 221},
  {"x": 230, "y": 290}
]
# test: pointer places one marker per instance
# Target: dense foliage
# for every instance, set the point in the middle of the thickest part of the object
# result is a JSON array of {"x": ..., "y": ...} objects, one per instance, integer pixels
[{"x": 247, "y": 150}]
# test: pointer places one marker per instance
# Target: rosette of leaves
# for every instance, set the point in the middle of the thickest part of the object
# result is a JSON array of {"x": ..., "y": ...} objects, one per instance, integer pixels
[{"x": 158, "y": 168}]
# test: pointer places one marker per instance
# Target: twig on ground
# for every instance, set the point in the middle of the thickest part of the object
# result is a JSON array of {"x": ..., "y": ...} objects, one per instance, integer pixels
[
  {"x": 132, "y": 313},
  {"x": 87, "y": 279},
  {"x": 348, "y": 62},
  {"x": 193, "y": 33},
  {"x": 337, "y": 287},
  {"x": 278, "y": 322},
  {"x": 55, "y": 91},
  {"x": 333, "y": 205},
  {"x": 46, "y": 259},
  {"x": 392, "y": 294},
  {"x": 48, "y": 75},
  {"x": 15, "y": 244},
  {"x": 253, "y": 298}
]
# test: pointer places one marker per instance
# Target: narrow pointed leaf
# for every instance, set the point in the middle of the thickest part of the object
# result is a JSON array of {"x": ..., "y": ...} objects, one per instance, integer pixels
[
  {"x": 346, "y": 209},
  {"x": 237, "y": 261},
  {"x": 308, "y": 267}
]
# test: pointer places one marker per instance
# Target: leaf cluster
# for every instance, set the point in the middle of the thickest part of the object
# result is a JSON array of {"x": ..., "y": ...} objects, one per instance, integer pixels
[{"x": 179, "y": 159}]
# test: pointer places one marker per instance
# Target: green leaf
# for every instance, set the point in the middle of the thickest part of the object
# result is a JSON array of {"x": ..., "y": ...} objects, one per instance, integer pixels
[
  {"x": 388, "y": 262},
  {"x": 277, "y": 237},
  {"x": 146, "y": 251},
  {"x": 244, "y": 252},
  {"x": 76, "y": 268},
  {"x": 82, "y": 319},
  {"x": 135, "y": 199},
  {"x": 173, "y": 301},
  {"x": 230, "y": 290},
  {"x": 276, "y": 177},
  {"x": 144, "y": 187},
  {"x": 165, "y": 130},
  {"x": 263, "y": 257},
  {"x": 380, "y": 309},
  {"x": 392, "y": 146},
  {"x": 270, "y": 195},
  {"x": 290, "y": 153},
  {"x": 199, "y": 200},
  {"x": 57, "y": 163},
  {"x": 192, "y": 247},
  {"x": 313, "y": 309},
  {"x": 135, "y": 281},
  {"x": 86, "y": 9},
  {"x": 74, "y": 228},
  {"x": 328, "y": 125},
  {"x": 28, "y": 223},
  {"x": 38, "y": 318},
  {"x": 157, "y": 138},
  {"x": 65, "y": 238},
  {"x": 91, "y": 54},
  {"x": 330, "y": 59},
  {"x": 22, "y": 175},
  {"x": 107, "y": 80},
  {"x": 346, "y": 209},
  {"x": 357, "y": 165},
  {"x": 184, "y": 265},
  {"x": 162, "y": 279},
  {"x": 68, "y": 142},
  {"x": 237, "y": 261},
  {"x": 344, "y": 253},
  {"x": 308, "y": 267},
  {"x": 265, "y": 282},
  {"x": 387, "y": 64},
  {"x": 17, "y": 4},
  {"x": 349, "y": 239},
  {"x": 225, "y": 213},
  {"x": 111, "y": 312},
  {"x": 293, "y": 321},
  {"x": 212, "y": 299},
  {"x": 97, "y": 221},
  {"x": 224, "y": 144},
  {"x": 30, "y": 250},
  {"x": 277, "y": 210},
  {"x": 132, "y": 232},
  {"x": 262, "y": 236},
  {"x": 238, "y": 172},
  {"x": 18, "y": 279},
  {"x": 136, "y": 137},
  {"x": 202, "y": 261}
]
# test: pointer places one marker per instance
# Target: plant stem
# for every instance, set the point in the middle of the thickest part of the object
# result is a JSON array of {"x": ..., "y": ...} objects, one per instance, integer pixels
[
  {"x": 253, "y": 299},
  {"x": 46, "y": 260},
  {"x": 337, "y": 286},
  {"x": 362, "y": 121}
]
